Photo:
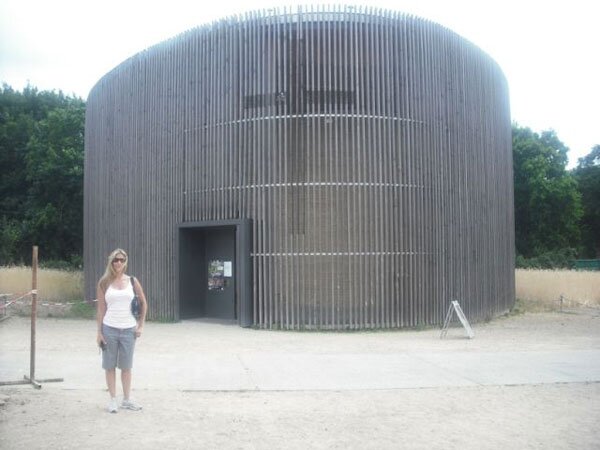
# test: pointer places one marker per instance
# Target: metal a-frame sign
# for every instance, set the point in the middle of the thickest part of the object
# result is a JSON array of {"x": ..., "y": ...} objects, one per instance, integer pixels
[{"x": 455, "y": 307}]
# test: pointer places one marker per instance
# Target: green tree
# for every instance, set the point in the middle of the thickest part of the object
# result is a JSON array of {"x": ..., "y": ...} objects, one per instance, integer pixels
[
  {"x": 547, "y": 201},
  {"x": 55, "y": 175},
  {"x": 587, "y": 175},
  {"x": 41, "y": 167},
  {"x": 16, "y": 125}
]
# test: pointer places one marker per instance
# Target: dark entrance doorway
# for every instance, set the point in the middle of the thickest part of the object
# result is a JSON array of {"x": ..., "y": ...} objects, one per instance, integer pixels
[{"x": 214, "y": 270}]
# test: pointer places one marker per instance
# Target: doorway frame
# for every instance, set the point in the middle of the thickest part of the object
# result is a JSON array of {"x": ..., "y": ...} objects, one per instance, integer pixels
[{"x": 243, "y": 264}]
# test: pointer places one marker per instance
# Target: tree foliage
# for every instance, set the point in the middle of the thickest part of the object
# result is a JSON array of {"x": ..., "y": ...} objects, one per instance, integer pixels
[
  {"x": 41, "y": 187},
  {"x": 587, "y": 175},
  {"x": 547, "y": 201}
]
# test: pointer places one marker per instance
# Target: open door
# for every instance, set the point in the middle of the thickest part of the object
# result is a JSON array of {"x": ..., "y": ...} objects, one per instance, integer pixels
[{"x": 215, "y": 271}]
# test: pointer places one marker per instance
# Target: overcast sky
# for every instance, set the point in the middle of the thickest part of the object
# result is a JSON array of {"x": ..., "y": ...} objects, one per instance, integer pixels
[{"x": 548, "y": 49}]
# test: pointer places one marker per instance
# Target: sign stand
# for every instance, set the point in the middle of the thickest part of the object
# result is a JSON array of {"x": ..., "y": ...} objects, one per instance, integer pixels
[
  {"x": 31, "y": 378},
  {"x": 455, "y": 307}
]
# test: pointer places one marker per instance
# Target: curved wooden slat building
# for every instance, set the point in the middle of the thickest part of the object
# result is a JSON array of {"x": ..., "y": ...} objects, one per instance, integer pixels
[{"x": 324, "y": 168}]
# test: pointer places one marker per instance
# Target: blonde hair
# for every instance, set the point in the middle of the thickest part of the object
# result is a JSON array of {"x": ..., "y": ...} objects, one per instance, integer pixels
[{"x": 110, "y": 274}]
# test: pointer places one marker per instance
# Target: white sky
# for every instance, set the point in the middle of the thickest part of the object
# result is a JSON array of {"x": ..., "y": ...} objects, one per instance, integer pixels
[{"x": 549, "y": 50}]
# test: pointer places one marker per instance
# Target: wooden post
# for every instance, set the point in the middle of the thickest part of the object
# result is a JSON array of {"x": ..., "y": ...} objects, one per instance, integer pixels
[
  {"x": 34, "y": 264},
  {"x": 31, "y": 379}
]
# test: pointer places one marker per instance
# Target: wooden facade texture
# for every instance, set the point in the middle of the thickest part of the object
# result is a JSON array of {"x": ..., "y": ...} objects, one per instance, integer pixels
[{"x": 370, "y": 150}]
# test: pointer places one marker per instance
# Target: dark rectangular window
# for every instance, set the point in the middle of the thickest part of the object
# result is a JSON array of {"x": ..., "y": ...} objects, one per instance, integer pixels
[{"x": 318, "y": 97}]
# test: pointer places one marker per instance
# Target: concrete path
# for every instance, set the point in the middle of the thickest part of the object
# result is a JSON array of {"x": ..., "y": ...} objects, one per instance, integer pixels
[
  {"x": 228, "y": 358},
  {"x": 352, "y": 371}
]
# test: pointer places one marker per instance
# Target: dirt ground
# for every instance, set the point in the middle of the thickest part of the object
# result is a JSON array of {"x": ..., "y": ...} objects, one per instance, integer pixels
[{"x": 178, "y": 414}]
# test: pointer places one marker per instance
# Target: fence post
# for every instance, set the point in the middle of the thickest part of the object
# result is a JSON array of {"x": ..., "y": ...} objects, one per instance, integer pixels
[
  {"x": 31, "y": 379},
  {"x": 34, "y": 267}
]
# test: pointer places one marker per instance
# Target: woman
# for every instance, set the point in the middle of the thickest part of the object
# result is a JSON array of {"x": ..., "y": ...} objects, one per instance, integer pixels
[{"x": 117, "y": 327}]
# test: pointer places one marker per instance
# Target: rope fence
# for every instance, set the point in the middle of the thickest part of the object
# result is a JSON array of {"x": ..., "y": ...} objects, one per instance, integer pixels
[
  {"x": 566, "y": 302},
  {"x": 8, "y": 300},
  {"x": 17, "y": 301}
]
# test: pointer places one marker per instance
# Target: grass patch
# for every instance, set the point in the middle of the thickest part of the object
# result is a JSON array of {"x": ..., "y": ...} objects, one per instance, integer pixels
[
  {"x": 82, "y": 310},
  {"x": 523, "y": 306},
  {"x": 71, "y": 310},
  {"x": 162, "y": 320}
]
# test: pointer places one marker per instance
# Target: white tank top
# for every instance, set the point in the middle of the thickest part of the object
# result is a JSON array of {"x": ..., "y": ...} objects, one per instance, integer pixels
[{"x": 118, "y": 307}]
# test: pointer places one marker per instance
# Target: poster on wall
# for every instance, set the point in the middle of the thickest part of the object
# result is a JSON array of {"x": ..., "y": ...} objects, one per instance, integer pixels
[
  {"x": 216, "y": 275},
  {"x": 228, "y": 269}
]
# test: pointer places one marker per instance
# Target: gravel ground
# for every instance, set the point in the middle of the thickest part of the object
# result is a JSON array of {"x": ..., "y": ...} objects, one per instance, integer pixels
[{"x": 72, "y": 414}]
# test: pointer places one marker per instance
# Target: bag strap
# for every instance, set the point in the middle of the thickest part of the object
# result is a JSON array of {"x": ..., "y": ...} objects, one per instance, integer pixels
[{"x": 132, "y": 278}]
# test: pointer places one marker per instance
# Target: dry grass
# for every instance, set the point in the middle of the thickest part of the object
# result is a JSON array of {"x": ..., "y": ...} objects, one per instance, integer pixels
[
  {"x": 53, "y": 285},
  {"x": 540, "y": 289},
  {"x": 544, "y": 288}
]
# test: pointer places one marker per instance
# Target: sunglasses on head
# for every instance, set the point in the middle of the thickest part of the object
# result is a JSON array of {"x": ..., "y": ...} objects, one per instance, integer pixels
[{"x": 121, "y": 260}]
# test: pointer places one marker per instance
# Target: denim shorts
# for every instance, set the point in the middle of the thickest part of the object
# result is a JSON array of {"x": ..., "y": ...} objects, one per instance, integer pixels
[{"x": 119, "y": 347}]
